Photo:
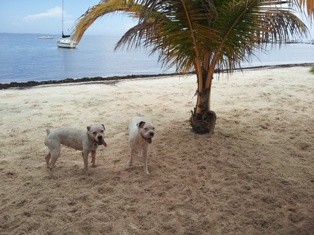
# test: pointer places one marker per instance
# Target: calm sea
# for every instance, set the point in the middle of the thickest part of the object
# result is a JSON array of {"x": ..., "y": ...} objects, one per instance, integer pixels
[{"x": 25, "y": 57}]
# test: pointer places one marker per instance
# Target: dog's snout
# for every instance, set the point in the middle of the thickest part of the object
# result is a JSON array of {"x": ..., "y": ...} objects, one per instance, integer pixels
[
  {"x": 151, "y": 134},
  {"x": 99, "y": 137}
]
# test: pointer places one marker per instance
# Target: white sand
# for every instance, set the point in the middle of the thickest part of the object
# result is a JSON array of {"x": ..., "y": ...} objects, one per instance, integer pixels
[{"x": 255, "y": 175}]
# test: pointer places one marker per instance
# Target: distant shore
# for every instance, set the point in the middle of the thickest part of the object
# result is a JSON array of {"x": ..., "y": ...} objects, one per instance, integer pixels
[{"x": 112, "y": 79}]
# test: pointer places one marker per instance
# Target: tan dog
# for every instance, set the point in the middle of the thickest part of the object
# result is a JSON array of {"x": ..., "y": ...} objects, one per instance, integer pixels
[
  {"x": 86, "y": 141},
  {"x": 140, "y": 136}
]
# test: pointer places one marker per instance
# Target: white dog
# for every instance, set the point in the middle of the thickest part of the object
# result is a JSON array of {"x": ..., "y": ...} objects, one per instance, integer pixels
[
  {"x": 86, "y": 141},
  {"x": 140, "y": 136}
]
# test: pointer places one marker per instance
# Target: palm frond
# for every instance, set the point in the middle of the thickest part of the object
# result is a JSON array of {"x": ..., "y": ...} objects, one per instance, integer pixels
[
  {"x": 309, "y": 6},
  {"x": 202, "y": 34},
  {"x": 99, "y": 10},
  {"x": 245, "y": 25},
  {"x": 178, "y": 30}
]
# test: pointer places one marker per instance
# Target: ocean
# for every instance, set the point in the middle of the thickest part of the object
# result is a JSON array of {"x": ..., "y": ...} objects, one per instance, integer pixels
[{"x": 25, "y": 57}]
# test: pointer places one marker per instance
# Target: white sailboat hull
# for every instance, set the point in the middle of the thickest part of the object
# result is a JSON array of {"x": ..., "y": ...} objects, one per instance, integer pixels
[{"x": 66, "y": 43}]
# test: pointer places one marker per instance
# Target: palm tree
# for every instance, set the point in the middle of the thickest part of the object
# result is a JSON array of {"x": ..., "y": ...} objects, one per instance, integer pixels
[
  {"x": 203, "y": 36},
  {"x": 308, "y": 5}
]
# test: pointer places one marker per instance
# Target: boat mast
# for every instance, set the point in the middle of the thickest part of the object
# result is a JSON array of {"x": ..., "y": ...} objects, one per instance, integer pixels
[
  {"x": 63, "y": 35},
  {"x": 62, "y": 18}
]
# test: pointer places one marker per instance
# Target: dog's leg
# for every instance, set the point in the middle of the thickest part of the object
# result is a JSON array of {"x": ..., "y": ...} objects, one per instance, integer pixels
[
  {"x": 48, "y": 159},
  {"x": 85, "y": 159},
  {"x": 93, "y": 158},
  {"x": 145, "y": 159},
  {"x": 54, "y": 154},
  {"x": 132, "y": 152}
]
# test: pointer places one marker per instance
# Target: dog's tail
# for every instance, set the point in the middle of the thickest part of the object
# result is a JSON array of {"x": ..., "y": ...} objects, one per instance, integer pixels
[{"x": 48, "y": 131}]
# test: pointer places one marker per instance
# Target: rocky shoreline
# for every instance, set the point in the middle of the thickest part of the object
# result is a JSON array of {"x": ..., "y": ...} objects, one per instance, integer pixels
[{"x": 29, "y": 84}]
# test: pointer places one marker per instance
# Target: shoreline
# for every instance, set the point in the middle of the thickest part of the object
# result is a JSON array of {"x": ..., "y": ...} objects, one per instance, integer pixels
[{"x": 114, "y": 79}]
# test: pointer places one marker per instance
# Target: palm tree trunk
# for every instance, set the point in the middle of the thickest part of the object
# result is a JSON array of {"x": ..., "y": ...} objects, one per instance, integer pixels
[{"x": 203, "y": 120}]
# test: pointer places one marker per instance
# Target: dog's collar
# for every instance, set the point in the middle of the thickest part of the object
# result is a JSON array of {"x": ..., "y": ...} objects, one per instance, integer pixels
[{"x": 95, "y": 142}]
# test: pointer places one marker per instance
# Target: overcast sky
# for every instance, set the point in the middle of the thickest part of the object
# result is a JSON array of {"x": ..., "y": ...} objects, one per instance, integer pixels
[{"x": 44, "y": 17}]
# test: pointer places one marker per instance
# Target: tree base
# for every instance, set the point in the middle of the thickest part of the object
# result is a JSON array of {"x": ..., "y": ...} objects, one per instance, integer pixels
[{"x": 204, "y": 123}]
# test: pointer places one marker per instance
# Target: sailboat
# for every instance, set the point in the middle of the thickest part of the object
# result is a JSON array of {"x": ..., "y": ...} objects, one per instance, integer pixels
[{"x": 66, "y": 41}]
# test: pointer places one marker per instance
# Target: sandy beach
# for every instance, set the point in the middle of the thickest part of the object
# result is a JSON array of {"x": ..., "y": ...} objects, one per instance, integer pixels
[{"x": 255, "y": 175}]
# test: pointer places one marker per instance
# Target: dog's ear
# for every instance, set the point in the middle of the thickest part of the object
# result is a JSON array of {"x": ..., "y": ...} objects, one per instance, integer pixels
[
  {"x": 141, "y": 124},
  {"x": 103, "y": 126},
  {"x": 88, "y": 128}
]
